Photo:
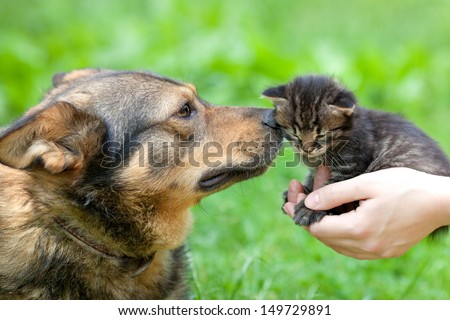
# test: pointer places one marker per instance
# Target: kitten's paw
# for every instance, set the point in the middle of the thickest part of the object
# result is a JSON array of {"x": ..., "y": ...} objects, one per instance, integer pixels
[
  {"x": 285, "y": 200},
  {"x": 306, "y": 190},
  {"x": 285, "y": 196},
  {"x": 305, "y": 216}
]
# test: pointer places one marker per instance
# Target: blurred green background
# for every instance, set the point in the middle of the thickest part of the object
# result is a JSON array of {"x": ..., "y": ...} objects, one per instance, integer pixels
[{"x": 395, "y": 55}]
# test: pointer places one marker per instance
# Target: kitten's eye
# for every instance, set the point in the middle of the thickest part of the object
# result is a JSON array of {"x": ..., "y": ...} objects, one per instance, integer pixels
[
  {"x": 185, "y": 111},
  {"x": 321, "y": 136},
  {"x": 293, "y": 138},
  {"x": 290, "y": 136}
]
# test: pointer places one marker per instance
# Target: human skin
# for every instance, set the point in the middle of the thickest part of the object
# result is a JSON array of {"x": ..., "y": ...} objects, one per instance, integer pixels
[{"x": 398, "y": 207}]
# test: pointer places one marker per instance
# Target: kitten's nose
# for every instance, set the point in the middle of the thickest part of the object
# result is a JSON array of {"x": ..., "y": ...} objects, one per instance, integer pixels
[
  {"x": 269, "y": 119},
  {"x": 310, "y": 146}
]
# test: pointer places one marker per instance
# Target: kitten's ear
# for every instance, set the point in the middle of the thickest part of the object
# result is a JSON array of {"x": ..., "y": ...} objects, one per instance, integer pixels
[
  {"x": 343, "y": 110},
  {"x": 277, "y": 95},
  {"x": 345, "y": 103}
]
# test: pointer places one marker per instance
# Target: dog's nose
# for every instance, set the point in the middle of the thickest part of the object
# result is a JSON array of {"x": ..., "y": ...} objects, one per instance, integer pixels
[{"x": 269, "y": 119}]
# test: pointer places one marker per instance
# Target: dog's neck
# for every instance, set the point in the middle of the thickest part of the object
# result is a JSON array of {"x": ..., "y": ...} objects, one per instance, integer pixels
[{"x": 136, "y": 265}]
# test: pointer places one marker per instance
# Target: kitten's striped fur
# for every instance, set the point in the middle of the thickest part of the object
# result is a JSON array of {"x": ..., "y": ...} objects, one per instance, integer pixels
[{"x": 326, "y": 126}]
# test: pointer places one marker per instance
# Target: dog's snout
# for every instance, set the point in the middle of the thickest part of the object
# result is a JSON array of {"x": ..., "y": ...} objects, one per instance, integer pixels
[{"x": 269, "y": 119}]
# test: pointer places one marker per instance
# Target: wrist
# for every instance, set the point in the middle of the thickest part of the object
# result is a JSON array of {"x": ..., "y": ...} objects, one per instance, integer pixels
[{"x": 440, "y": 193}]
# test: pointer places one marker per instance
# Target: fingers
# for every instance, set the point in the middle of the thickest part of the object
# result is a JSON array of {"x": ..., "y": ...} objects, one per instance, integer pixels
[
  {"x": 337, "y": 233},
  {"x": 289, "y": 206},
  {"x": 350, "y": 235},
  {"x": 336, "y": 194},
  {"x": 334, "y": 227},
  {"x": 295, "y": 187},
  {"x": 295, "y": 195}
]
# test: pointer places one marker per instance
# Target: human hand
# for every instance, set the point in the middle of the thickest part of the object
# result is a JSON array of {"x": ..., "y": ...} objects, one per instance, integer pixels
[{"x": 398, "y": 207}]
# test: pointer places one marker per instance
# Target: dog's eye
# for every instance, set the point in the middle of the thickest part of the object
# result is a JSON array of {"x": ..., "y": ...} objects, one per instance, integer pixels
[{"x": 185, "y": 111}]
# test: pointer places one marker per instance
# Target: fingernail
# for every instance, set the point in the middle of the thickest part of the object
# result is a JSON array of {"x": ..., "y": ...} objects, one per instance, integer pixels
[
  {"x": 293, "y": 186},
  {"x": 312, "y": 200}
]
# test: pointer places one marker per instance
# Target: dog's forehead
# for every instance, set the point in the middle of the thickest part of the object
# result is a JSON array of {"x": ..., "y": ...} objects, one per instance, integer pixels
[
  {"x": 127, "y": 101},
  {"x": 133, "y": 82},
  {"x": 138, "y": 84},
  {"x": 120, "y": 91}
]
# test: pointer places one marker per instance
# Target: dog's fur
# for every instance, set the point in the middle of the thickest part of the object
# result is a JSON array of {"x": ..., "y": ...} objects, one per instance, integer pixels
[{"x": 87, "y": 212}]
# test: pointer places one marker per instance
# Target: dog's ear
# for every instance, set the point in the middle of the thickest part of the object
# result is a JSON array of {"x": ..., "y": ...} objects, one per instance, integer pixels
[
  {"x": 57, "y": 138},
  {"x": 67, "y": 77}
]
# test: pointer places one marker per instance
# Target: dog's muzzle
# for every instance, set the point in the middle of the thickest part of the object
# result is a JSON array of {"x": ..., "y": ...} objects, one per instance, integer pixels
[{"x": 269, "y": 119}]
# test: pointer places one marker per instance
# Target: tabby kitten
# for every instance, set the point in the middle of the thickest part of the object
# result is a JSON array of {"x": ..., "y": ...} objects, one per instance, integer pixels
[{"x": 326, "y": 127}]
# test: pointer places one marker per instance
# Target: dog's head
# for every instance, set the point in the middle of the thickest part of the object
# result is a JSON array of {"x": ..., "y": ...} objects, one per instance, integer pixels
[{"x": 136, "y": 149}]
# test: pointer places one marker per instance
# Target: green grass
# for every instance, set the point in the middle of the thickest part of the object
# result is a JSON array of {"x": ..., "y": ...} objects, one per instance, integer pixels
[{"x": 393, "y": 54}]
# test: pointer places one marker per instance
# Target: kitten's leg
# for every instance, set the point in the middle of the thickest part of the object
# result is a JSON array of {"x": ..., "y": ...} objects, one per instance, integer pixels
[
  {"x": 305, "y": 216},
  {"x": 285, "y": 197},
  {"x": 309, "y": 183}
]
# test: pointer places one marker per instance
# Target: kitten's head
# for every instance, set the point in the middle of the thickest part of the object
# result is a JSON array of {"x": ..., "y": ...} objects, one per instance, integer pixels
[{"x": 314, "y": 112}]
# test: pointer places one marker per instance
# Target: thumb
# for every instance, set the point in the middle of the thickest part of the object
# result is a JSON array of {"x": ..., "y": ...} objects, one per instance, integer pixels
[{"x": 339, "y": 193}]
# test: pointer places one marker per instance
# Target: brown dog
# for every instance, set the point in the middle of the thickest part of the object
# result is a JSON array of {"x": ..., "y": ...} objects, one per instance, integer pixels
[{"x": 96, "y": 183}]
